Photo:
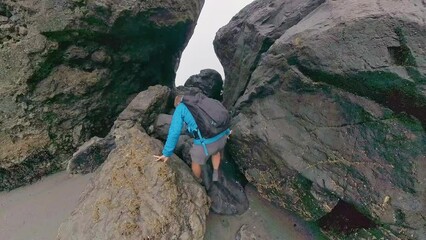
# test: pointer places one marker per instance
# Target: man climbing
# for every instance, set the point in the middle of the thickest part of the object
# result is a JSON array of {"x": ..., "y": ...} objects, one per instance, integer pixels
[{"x": 208, "y": 122}]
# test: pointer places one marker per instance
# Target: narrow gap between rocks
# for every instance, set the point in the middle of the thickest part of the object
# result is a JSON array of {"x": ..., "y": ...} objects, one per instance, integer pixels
[{"x": 345, "y": 219}]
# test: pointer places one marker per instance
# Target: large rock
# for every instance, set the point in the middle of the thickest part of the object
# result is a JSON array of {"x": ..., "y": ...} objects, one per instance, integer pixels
[
  {"x": 332, "y": 107},
  {"x": 246, "y": 233},
  {"x": 227, "y": 195},
  {"x": 91, "y": 155},
  {"x": 141, "y": 111},
  {"x": 134, "y": 197},
  {"x": 241, "y": 43},
  {"x": 208, "y": 81},
  {"x": 161, "y": 126},
  {"x": 67, "y": 68},
  {"x": 146, "y": 106}
]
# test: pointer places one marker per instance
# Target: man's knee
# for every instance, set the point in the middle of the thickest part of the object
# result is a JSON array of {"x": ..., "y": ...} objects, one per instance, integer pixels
[
  {"x": 196, "y": 169},
  {"x": 194, "y": 164}
]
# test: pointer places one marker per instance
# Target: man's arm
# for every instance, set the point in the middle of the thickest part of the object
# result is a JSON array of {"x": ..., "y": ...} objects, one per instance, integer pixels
[{"x": 174, "y": 132}]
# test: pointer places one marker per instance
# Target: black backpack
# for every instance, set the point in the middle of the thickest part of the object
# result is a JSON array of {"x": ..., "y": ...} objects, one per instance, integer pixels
[{"x": 210, "y": 115}]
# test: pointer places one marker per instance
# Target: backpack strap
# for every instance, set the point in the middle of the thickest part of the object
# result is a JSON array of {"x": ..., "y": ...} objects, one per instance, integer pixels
[{"x": 203, "y": 142}]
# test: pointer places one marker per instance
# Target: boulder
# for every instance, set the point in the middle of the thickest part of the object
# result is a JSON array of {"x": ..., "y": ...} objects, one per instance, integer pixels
[
  {"x": 227, "y": 195},
  {"x": 329, "y": 104},
  {"x": 146, "y": 106},
  {"x": 240, "y": 44},
  {"x": 132, "y": 196},
  {"x": 141, "y": 111},
  {"x": 91, "y": 155},
  {"x": 246, "y": 233},
  {"x": 182, "y": 90},
  {"x": 208, "y": 81},
  {"x": 161, "y": 126},
  {"x": 67, "y": 68}
]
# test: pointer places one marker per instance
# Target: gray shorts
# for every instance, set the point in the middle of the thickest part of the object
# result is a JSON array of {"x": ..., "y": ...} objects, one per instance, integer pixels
[{"x": 197, "y": 151}]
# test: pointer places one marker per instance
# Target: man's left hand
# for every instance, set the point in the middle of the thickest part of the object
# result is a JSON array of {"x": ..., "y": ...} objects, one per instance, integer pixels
[{"x": 161, "y": 158}]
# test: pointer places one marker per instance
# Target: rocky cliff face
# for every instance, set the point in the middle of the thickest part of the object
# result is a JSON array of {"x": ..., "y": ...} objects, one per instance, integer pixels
[
  {"x": 329, "y": 99},
  {"x": 67, "y": 68}
]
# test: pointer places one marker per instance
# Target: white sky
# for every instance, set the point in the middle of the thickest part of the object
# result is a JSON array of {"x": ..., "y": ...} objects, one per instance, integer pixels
[{"x": 199, "y": 54}]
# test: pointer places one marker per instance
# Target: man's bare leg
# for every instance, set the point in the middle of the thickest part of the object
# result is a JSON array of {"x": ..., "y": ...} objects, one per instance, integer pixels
[
  {"x": 196, "y": 169},
  {"x": 216, "y": 163}
]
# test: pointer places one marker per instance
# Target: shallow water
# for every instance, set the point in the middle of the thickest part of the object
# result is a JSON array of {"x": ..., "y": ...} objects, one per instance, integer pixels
[
  {"x": 263, "y": 219},
  {"x": 36, "y": 211}
]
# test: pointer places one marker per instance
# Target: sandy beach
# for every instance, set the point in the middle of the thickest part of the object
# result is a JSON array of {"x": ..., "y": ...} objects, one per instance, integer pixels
[{"x": 35, "y": 212}]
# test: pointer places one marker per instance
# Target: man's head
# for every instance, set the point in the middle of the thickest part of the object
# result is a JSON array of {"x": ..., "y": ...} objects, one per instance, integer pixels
[{"x": 178, "y": 99}]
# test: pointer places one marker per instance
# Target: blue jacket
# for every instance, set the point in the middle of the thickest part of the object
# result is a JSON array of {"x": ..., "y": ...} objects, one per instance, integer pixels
[{"x": 180, "y": 116}]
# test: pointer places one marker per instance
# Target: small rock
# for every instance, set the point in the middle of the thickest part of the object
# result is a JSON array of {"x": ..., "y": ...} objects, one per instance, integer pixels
[
  {"x": 76, "y": 134},
  {"x": 385, "y": 201},
  {"x": 245, "y": 234},
  {"x": 22, "y": 31},
  {"x": 100, "y": 57},
  {"x": 209, "y": 81},
  {"x": 90, "y": 155},
  {"x": 146, "y": 106},
  {"x": 150, "y": 129},
  {"x": 6, "y": 27},
  {"x": 75, "y": 52},
  {"x": 3, "y": 19}
]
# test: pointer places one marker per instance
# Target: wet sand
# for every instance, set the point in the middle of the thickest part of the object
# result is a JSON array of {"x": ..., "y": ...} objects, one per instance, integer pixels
[
  {"x": 262, "y": 219},
  {"x": 35, "y": 212}
]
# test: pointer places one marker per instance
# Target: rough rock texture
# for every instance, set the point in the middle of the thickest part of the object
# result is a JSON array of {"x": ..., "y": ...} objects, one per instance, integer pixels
[
  {"x": 245, "y": 233},
  {"x": 208, "y": 81},
  {"x": 161, "y": 126},
  {"x": 330, "y": 102},
  {"x": 182, "y": 90},
  {"x": 67, "y": 68},
  {"x": 91, "y": 155},
  {"x": 240, "y": 44},
  {"x": 134, "y": 197},
  {"x": 227, "y": 195},
  {"x": 142, "y": 111},
  {"x": 183, "y": 147},
  {"x": 146, "y": 106}
]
